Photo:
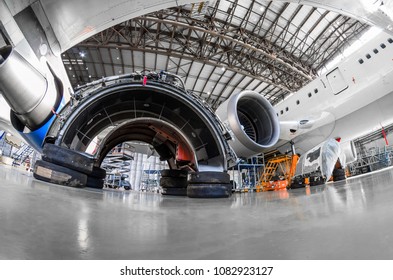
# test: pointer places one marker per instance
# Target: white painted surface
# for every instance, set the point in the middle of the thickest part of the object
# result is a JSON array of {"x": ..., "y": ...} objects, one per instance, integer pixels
[{"x": 343, "y": 111}]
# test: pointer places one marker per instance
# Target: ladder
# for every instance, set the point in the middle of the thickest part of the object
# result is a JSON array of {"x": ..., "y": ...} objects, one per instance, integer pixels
[{"x": 281, "y": 162}]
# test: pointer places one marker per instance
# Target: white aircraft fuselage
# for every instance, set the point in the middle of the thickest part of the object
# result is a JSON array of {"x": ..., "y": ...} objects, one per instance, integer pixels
[{"x": 346, "y": 102}]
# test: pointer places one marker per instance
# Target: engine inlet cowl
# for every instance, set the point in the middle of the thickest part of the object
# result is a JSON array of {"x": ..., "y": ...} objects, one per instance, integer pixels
[{"x": 253, "y": 121}]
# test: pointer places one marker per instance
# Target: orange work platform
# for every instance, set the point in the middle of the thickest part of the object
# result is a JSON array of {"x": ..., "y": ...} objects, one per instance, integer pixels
[{"x": 283, "y": 166}]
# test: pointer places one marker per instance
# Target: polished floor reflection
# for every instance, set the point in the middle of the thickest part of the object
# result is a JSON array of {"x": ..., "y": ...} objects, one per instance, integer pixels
[{"x": 345, "y": 220}]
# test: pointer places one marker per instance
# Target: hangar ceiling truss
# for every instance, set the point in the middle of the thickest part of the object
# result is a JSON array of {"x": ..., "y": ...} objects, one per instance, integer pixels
[{"x": 221, "y": 47}]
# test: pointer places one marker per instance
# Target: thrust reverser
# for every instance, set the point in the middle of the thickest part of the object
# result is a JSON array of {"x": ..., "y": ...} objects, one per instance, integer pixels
[
  {"x": 178, "y": 124},
  {"x": 183, "y": 130}
]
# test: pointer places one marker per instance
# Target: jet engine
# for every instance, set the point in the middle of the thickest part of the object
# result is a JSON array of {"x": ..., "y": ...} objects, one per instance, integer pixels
[
  {"x": 32, "y": 96},
  {"x": 253, "y": 122}
]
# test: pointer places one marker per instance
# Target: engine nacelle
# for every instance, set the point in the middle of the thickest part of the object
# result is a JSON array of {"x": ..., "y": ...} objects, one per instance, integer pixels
[
  {"x": 253, "y": 121},
  {"x": 33, "y": 97}
]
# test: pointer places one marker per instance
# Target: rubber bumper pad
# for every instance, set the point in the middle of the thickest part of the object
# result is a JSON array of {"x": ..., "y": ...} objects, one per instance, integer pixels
[
  {"x": 209, "y": 190},
  {"x": 174, "y": 173},
  {"x": 95, "y": 183},
  {"x": 53, "y": 173},
  {"x": 98, "y": 172},
  {"x": 209, "y": 177},
  {"x": 173, "y": 182},
  {"x": 174, "y": 191},
  {"x": 71, "y": 159}
]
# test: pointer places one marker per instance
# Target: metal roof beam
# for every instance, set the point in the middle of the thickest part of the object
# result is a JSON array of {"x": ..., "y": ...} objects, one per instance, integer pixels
[{"x": 238, "y": 42}]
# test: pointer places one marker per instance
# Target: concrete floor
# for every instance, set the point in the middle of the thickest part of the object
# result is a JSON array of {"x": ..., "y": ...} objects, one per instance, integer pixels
[{"x": 345, "y": 220}]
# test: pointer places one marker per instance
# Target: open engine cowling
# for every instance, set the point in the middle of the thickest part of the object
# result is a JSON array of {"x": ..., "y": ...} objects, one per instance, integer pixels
[{"x": 253, "y": 121}]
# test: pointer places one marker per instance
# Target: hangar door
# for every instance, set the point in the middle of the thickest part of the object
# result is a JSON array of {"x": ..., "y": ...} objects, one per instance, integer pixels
[{"x": 336, "y": 81}]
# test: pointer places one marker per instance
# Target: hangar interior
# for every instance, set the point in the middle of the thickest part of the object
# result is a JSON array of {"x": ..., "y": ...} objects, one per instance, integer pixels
[
  {"x": 184, "y": 63},
  {"x": 221, "y": 47}
]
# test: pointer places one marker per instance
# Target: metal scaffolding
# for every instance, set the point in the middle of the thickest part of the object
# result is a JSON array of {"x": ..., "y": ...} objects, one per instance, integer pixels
[
  {"x": 245, "y": 175},
  {"x": 373, "y": 151}
]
